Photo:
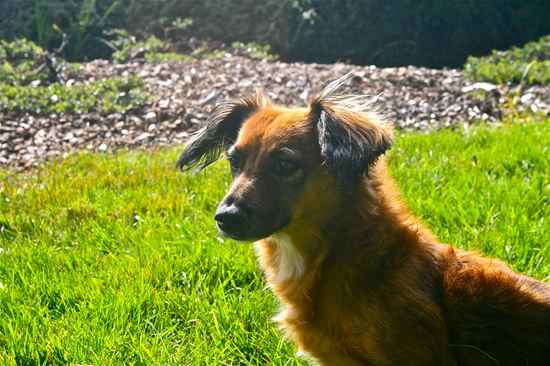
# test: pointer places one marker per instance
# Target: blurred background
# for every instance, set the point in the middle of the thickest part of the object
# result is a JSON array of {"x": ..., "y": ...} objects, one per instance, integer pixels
[
  {"x": 430, "y": 33},
  {"x": 104, "y": 74}
]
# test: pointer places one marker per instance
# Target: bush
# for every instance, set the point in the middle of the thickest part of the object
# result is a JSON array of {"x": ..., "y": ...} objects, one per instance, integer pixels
[
  {"x": 105, "y": 96},
  {"x": 265, "y": 22},
  {"x": 254, "y": 50},
  {"x": 128, "y": 48},
  {"x": 529, "y": 64},
  {"x": 90, "y": 23},
  {"x": 46, "y": 21},
  {"x": 20, "y": 62},
  {"x": 422, "y": 32}
]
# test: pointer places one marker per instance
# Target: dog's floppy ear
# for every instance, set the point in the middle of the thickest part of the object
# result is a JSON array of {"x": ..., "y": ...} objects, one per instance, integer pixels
[
  {"x": 220, "y": 132},
  {"x": 351, "y": 137}
]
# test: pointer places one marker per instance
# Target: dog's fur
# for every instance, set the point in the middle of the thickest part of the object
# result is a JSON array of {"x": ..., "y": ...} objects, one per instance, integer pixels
[{"x": 361, "y": 280}]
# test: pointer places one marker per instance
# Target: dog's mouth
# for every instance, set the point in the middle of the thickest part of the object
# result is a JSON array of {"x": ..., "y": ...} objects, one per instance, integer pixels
[
  {"x": 233, "y": 234},
  {"x": 251, "y": 231}
]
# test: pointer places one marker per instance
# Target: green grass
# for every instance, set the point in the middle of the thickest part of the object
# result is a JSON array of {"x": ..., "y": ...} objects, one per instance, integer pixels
[{"x": 114, "y": 259}]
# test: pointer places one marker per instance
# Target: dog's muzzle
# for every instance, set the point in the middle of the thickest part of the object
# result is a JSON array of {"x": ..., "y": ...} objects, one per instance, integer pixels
[{"x": 232, "y": 221}]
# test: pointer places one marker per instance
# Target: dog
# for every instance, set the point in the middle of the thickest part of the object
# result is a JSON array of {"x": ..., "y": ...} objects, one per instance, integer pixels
[{"x": 360, "y": 279}]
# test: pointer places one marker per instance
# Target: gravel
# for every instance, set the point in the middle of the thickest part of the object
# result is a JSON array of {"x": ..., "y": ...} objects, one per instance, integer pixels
[{"x": 183, "y": 94}]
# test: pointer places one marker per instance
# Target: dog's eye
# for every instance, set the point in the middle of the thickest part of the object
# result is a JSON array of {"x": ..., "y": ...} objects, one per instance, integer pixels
[
  {"x": 235, "y": 163},
  {"x": 285, "y": 168}
]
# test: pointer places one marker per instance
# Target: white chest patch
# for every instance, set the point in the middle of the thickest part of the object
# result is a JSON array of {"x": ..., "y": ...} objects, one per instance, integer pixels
[{"x": 290, "y": 261}]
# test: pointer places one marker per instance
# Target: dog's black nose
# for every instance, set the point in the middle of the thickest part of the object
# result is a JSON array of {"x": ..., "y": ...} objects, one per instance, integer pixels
[{"x": 230, "y": 219}]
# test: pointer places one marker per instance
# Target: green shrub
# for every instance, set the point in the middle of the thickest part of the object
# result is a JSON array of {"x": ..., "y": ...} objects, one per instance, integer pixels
[
  {"x": 421, "y": 32},
  {"x": 87, "y": 23},
  {"x": 128, "y": 48},
  {"x": 153, "y": 57},
  {"x": 265, "y": 22},
  {"x": 104, "y": 96},
  {"x": 426, "y": 32},
  {"x": 529, "y": 64},
  {"x": 20, "y": 62},
  {"x": 46, "y": 22},
  {"x": 153, "y": 49},
  {"x": 254, "y": 50}
]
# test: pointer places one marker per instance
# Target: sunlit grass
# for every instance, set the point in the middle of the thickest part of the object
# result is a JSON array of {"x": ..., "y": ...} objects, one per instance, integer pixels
[{"x": 114, "y": 259}]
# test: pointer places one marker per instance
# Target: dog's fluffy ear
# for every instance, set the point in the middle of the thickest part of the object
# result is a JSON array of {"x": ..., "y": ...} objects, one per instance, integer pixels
[
  {"x": 220, "y": 132},
  {"x": 351, "y": 136}
]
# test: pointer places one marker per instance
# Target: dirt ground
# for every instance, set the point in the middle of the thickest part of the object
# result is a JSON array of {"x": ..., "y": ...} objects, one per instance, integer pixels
[{"x": 183, "y": 94}]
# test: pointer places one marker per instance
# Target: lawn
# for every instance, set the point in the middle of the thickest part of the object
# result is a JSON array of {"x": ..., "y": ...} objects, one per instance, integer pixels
[{"x": 111, "y": 259}]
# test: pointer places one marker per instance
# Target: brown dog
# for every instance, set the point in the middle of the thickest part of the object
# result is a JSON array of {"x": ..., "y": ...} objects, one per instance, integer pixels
[{"x": 362, "y": 281}]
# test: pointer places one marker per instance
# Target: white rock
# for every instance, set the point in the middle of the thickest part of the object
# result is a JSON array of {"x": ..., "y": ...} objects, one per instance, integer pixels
[{"x": 479, "y": 86}]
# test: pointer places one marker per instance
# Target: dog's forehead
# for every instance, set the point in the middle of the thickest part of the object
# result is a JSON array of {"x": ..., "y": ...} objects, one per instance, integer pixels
[{"x": 273, "y": 126}]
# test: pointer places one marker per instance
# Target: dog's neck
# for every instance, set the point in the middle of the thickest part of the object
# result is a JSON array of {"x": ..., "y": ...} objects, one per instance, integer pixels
[{"x": 294, "y": 258}]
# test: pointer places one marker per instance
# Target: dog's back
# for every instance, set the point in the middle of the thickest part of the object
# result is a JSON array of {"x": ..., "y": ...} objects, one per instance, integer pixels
[{"x": 495, "y": 316}]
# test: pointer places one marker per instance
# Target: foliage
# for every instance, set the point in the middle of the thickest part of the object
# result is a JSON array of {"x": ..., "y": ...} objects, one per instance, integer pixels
[
  {"x": 110, "y": 95},
  {"x": 48, "y": 21},
  {"x": 166, "y": 57},
  {"x": 266, "y": 22},
  {"x": 529, "y": 64},
  {"x": 89, "y": 24},
  {"x": 20, "y": 62},
  {"x": 425, "y": 32},
  {"x": 24, "y": 78},
  {"x": 82, "y": 20},
  {"x": 128, "y": 48},
  {"x": 254, "y": 50},
  {"x": 113, "y": 259}
]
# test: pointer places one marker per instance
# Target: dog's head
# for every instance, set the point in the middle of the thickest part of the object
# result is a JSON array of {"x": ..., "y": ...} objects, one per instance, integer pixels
[{"x": 282, "y": 158}]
